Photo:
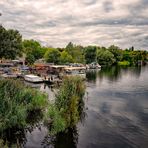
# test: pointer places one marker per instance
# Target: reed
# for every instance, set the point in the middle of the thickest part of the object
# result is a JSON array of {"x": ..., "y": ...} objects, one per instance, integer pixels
[
  {"x": 16, "y": 101},
  {"x": 68, "y": 104}
]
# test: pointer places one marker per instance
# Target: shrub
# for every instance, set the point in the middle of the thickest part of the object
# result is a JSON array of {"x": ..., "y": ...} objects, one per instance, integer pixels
[
  {"x": 124, "y": 63},
  {"x": 68, "y": 100},
  {"x": 16, "y": 100}
]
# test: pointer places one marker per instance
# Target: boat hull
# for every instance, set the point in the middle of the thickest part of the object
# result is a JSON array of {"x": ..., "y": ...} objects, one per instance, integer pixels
[{"x": 33, "y": 79}]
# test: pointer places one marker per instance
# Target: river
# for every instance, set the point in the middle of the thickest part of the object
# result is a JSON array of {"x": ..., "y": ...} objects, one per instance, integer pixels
[{"x": 116, "y": 113}]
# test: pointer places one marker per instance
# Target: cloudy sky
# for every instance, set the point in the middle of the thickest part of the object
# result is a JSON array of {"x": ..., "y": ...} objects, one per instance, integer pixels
[{"x": 57, "y": 22}]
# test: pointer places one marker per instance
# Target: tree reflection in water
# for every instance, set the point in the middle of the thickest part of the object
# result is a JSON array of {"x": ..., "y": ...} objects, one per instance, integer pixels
[
  {"x": 68, "y": 138},
  {"x": 17, "y": 136}
]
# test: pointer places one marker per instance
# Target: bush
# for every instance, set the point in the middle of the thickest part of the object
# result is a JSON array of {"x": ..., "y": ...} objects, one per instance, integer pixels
[
  {"x": 67, "y": 108},
  {"x": 16, "y": 101},
  {"x": 2, "y": 145},
  {"x": 124, "y": 63}
]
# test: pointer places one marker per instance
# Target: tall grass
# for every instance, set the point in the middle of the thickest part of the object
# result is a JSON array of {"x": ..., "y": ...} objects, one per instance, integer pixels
[
  {"x": 16, "y": 100},
  {"x": 2, "y": 145},
  {"x": 66, "y": 110}
]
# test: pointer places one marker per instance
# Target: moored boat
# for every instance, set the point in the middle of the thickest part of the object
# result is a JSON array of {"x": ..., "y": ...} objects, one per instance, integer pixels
[
  {"x": 93, "y": 65},
  {"x": 33, "y": 78}
]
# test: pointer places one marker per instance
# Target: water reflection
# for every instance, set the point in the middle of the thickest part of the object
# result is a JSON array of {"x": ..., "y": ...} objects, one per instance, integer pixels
[
  {"x": 112, "y": 73},
  {"x": 91, "y": 75},
  {"x": 116, "y": 115},
  {"x": 67, "y": 139},
  {"x": 17, "y": 137},
  {"x": 115, "y": 73},
  {"x": 105, "y": 108}
]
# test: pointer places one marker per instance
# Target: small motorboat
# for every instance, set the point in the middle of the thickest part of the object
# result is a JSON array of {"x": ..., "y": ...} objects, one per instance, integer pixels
[{"x": 33, "y": 78}]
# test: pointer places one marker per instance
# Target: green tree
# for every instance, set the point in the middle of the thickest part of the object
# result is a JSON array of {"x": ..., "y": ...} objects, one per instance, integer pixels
[
  {"x": 90, "y": 54},
  {"x": 105, "y": 57},
  {"x": 34, "y": 48},
  {"x": 10, "y": 43},
  {"x": 117, "y": 52},
  {"x": 30, "y": 59},
  {"x": 78, "y": 54},
  {"x": 69, "y": 48},
  {"x": 52, "y": 55},
  {"x": 65, "y": 58}
]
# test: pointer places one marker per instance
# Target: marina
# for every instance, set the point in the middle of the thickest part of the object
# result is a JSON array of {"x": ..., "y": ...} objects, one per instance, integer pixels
[{"x": 43, "y": 72}]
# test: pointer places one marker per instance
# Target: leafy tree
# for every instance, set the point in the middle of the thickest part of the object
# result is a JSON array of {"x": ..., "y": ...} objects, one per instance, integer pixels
[
  {"x": 105, "y": 57},
  {"x": 10, "y": 43},
  {"x": 52, "y": 55},
  {"x": 90, "y": 54},
  {"x": 69, "y": 48},
  {"x": 144, "y": 55},
  {"x": 33, "y": 47},
  {"x": 65, "y": 58},
  {"x": 117, "y": 52},
  {"x": 126, "y": 55},
  {"x": 30, "y": 59},
  {"x": 78, "y": 54}
]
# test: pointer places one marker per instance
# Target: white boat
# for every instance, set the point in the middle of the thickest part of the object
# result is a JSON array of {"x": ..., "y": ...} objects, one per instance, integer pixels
[
  {"x": 9, "y": 75},
  {"x": 93, "y": 65},
  {"x": 79, "y": 73},
  {"x": 33, "y": 78}
]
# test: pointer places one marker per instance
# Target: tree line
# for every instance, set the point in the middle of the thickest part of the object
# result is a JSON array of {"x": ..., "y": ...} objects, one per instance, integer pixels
[{"x": 12, "y": 46}]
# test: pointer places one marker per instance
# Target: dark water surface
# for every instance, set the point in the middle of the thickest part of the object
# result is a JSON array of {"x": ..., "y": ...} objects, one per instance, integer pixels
[{"x": 116, "y": 113}]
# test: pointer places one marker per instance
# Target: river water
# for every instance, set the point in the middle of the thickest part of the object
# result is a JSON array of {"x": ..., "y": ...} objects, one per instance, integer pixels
[{"x": 116, "y": 113}]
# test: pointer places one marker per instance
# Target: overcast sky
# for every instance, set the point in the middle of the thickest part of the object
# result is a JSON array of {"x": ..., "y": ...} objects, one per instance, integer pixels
[{"x": 100, "y": 22}]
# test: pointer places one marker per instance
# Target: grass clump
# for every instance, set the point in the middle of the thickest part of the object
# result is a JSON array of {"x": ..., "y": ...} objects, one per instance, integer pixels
[
  {"x": 16, "y": 101},
  {"x": 65, "y": 112},
  {"x": 2, "y": 145}
]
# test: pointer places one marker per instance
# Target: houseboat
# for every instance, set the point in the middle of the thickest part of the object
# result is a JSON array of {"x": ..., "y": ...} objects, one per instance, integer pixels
[{"x": 75, "y": 71}]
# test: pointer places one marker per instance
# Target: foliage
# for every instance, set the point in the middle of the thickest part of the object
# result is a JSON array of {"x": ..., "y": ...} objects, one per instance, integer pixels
[
  {"x": 2, "y": 145},
  {"x": 59, "y": 122},
  {"x": 10, "y": 43},
  {"x": 33, "y": 50},
  {"x": 65, "y": 58},
  {"x": 16, "y": 101},
  {"x": 30, "y": 59},
  {"x": 117, "y": 52},
  {"x": 105, "y": 57},
  {"x": 69, "y": 48},
  {"x": 124, "y": 63},
  {"x": 11, "y": 46},
  {"x": 67, "y": 108},
  {"x": 76, "y": 53},
  {"x": 52, "y": 55},
  {"x": 90, "y": 54}
]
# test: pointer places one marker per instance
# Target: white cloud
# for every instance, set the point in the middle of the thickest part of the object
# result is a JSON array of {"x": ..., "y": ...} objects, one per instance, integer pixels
[{"x": 57, "y": 22}]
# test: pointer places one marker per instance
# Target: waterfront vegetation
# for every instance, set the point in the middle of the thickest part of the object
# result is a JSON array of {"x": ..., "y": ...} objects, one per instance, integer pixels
[
  {"x": 16, "y": 102},
  {"x": 12, "y": 46},
  {"x": 2, "y": 145},
  {"x": 67, "y": 108}
]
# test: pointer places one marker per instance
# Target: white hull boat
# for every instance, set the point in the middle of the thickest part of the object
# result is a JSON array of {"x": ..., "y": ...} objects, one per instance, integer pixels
[{"x": 33, "y": 78}]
